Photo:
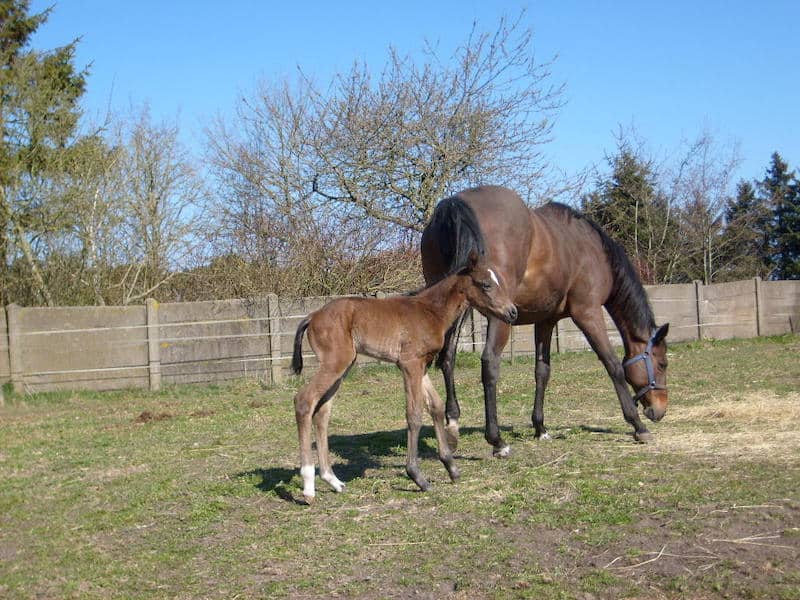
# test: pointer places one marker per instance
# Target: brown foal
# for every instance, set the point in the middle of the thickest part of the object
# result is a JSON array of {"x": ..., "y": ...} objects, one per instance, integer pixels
[{"x": 405, "y": 330}]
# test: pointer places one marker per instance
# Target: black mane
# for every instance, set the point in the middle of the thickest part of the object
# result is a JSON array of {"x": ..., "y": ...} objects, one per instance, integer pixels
[
  {"x": 628, "y": 298},
  {"x": 456, "y": 227}
]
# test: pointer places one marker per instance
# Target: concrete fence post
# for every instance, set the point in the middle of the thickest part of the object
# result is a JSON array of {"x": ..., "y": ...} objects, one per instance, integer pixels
[
  {"x": 698, "y": 303},
  {"x": 15, "y": 349},
  {"x": 274, "y": 323},
  {"x": 556, "y": 335},
  {"x": 153, "y": 345},
  {"x": 759, "y": 305}
]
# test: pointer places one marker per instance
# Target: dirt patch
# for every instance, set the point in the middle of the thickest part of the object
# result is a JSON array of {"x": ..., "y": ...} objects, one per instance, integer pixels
[{"x": 148, "y": 417}]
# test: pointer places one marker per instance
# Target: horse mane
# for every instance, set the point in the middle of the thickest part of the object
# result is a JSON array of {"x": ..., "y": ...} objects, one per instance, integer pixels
[
  {"x": 628, "y": 296},
  {"x": 456, "y": 227}
]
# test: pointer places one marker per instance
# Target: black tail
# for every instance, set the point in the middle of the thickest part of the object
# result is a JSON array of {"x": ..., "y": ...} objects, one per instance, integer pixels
[
  {"x": 455, "y": 228},
  {"x": 456, "y": 231},
  {"x": 297, "y": 355}
]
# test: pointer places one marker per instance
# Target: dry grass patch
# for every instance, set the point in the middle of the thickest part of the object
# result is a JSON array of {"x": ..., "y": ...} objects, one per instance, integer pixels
[{"x": 752, "y": 426}]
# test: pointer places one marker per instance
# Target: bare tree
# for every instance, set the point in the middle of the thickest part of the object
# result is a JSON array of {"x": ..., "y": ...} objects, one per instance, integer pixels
[
  {"x": 701, "y": 188},
  {"x": 163, "y": 204},
  {"x": 393, "y": 147}
]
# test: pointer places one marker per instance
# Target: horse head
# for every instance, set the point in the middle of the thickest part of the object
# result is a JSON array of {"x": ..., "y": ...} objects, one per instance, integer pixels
[{"x": 646, "y": 371}]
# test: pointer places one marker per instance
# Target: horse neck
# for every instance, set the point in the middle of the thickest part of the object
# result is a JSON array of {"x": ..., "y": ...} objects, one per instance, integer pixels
[
  {"x": 633, "y": 336},
  {"x": 447, "y": 298}
]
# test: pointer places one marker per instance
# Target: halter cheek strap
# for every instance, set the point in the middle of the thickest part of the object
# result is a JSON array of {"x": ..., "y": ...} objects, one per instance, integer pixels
[{"x": 645, "y": 356}]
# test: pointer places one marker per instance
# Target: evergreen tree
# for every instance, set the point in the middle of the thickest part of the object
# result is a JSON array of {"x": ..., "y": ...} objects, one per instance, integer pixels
[
  {"x": 629, "y": 207},
  {"x": 39, "y": 113},
  {"x": 781, "y": 191},
  {"x": 745, "y": 240}
]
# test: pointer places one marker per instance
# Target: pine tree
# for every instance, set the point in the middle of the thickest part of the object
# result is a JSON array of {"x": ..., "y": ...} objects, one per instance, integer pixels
[
  {"x": 780, "y": 189},
  {"x": 628, "y": 206},
  {"x": 39, "y": 113},
  {"x": 745, "y": 240}
]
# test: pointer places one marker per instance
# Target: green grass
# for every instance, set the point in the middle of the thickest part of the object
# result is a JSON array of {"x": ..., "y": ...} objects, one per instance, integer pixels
[{"x": 190, "y": 492}]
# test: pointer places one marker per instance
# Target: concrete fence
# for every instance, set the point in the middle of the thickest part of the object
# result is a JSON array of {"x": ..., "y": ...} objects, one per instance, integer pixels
[{"x": 102, "y": 348}]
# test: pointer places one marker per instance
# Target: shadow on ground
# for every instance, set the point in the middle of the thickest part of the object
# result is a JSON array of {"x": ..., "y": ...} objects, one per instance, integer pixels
[{"x": 356, "y": 454}]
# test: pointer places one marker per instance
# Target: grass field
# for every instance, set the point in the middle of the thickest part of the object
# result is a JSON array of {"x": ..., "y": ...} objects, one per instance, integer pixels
[{"x": 190, "y": 492}]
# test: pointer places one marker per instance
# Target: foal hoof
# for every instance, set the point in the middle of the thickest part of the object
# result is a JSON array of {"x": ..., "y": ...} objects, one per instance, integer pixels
[
  {"x": 451, "y": 433},
  {"x": 643, "y": 437},
  {"x": 309, "y": 500},
  {"x": 454, "y": 473},
  {"x": 503, "y": 452}
]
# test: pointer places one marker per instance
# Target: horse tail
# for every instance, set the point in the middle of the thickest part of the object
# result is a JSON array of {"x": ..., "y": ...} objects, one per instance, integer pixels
[
  {"x": 456, "y": 232},
  {"x": 297, "y": 355},
  {"x": 456, "y": 229}
]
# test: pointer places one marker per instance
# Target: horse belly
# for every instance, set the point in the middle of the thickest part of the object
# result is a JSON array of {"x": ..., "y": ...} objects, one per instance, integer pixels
[{"x": 378, "y": 343}]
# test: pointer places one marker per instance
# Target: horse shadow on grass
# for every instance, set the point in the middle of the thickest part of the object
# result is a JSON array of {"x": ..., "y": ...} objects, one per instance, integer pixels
[{"x": 355, "y": 455}]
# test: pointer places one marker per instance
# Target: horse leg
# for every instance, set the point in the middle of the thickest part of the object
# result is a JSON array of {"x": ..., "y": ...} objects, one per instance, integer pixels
[
  {"x": 497, "y": 333},
  {"x": 436, "y": 409},
  {"x": 321, "y": 418},
  {"x": 592, "y": 324},
  {"x": 543, "y": 335},
  {"x": 306, "y": 403},
  {"x": 412, "y": 378},
  {"x": 447, "y": 359}
]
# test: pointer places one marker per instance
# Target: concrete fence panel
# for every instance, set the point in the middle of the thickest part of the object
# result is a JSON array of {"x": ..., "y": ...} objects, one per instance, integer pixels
[
  {"x": 779, "y": 307},
  {"x": 728, "y": 310},
  {"x": 102, "y": 348},
  {"x": 96, "y": 348},
  {"x": 214, "y": 341}
]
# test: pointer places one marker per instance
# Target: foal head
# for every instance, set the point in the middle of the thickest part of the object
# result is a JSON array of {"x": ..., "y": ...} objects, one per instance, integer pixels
[
  {"x": 647, "y": 374},
  {"x": 484, "y": 290}
]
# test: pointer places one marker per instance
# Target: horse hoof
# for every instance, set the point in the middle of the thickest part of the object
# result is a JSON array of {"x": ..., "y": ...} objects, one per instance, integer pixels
[
  {"x": 544, "y": 436},
  {"x": 503, "y": 452},
  {"x": 451, "y": 433},
  {"x": 309, "y": 500},
  {"x": 643, "y": 437}
]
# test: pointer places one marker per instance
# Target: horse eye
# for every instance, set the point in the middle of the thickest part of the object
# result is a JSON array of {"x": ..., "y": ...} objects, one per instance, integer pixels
[{"x": 485, "y": 285}]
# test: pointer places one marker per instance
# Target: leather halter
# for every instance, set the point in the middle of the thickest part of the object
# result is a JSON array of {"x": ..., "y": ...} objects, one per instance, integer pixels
[{"x": 648, "y": 365}]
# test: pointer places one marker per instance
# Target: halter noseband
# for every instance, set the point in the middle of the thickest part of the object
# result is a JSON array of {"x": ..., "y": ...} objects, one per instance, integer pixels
[{"x": 648, "y": 365}]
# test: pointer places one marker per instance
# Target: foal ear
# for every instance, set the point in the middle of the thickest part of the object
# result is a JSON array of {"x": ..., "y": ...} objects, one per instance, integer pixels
[
  {"x": 472, "y": 259},
  {"x": 661, "y": 333}
]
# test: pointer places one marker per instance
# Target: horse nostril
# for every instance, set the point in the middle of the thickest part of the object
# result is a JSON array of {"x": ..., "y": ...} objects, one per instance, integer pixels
[{"x": 512, "y": 314}]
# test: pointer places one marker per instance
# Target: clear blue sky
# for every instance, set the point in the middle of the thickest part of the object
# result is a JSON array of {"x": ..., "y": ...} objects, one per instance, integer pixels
[{"x": 672, "y": 69}]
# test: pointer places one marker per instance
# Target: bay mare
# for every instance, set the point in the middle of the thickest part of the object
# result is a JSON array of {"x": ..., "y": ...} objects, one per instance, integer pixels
[
  {"x": 406, "y": 330},
  {"x": 554, "y": 263}
]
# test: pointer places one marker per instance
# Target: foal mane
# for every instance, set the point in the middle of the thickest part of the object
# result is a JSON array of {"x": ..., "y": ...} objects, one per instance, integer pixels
[
  {"x": 628, "y": 299},
  {"x": 456, "y": 227}
]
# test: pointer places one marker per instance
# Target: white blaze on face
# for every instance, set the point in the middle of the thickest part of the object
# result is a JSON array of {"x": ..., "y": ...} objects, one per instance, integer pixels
[{"x": 494, "y": 277}]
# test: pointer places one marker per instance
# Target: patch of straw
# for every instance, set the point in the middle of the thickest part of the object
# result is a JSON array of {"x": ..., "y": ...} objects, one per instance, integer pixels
[{"x": 748, "y": 427}]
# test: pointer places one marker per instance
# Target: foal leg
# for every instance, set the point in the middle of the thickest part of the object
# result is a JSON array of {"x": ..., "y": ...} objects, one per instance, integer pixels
[
  {"x": 321, "y": 419},
  {"x": 306, "y": 402},
  {"x": 436, "y": 409},
  {"x": 497, "y": 334},
  {"x": 543, "y": 335},
  {"x": 415, "y": 397},
  {"x": 447, "y": 359},
  {"x": 592, "y": 324}
]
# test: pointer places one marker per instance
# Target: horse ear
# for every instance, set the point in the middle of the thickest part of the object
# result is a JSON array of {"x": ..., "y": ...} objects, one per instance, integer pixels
[{"x": 661, "y": 333}]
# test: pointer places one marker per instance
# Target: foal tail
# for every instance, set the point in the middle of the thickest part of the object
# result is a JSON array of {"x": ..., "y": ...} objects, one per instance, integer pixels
[{"x": 297, "y": 355}]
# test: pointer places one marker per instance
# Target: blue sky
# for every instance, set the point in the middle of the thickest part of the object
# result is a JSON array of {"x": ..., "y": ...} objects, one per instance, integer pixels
[{"x": 671, "y": 69}]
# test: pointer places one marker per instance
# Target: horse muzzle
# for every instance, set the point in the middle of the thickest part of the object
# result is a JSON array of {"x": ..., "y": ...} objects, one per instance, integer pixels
[{"x": 656, "y": 411}]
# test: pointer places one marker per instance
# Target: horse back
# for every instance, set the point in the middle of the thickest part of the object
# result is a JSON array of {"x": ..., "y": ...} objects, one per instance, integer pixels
[
  {"x": 505, "y": 233},
  {"x": 566, "y": 264}
]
